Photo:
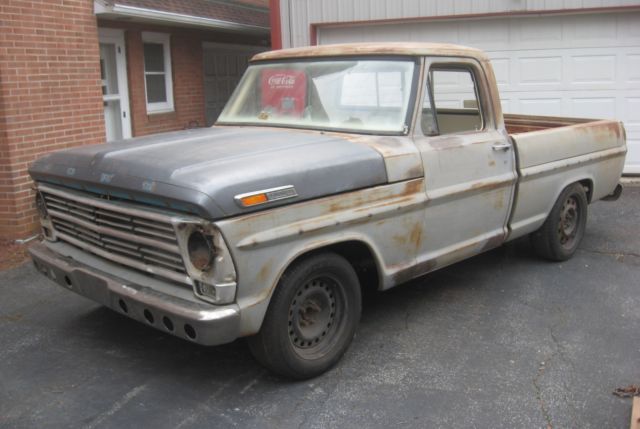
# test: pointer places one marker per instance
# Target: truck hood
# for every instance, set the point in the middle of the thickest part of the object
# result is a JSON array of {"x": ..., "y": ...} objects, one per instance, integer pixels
[{"x": 201, "y": 171}]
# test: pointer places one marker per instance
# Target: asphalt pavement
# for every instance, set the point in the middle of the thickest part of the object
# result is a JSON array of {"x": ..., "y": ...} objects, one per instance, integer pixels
[{"x": 503, "y": 340}]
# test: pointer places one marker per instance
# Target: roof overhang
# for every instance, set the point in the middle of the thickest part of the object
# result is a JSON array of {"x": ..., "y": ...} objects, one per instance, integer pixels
[{"x": 116, "y": 11}]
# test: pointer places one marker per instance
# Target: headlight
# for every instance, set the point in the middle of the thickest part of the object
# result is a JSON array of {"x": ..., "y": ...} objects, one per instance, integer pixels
[
  {"x": 207, "y": 260},
  {"x": 200, "y": 250}
]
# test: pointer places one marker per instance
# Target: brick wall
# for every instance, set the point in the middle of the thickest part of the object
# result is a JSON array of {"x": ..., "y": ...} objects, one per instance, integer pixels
[
  {"x": 50, "y": 95},
  {"x": 188, "y": 85},
  {"x": 187, "y": 74}
]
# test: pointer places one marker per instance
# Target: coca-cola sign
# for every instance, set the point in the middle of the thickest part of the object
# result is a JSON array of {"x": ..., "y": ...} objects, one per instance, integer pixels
[
  {"x": 282, "y": 80},
  {"x": 284, "y": 91}
]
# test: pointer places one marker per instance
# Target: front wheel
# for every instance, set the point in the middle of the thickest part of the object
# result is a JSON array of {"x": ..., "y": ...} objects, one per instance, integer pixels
[
  {"x": 312, "y": 317},
  {"x": 558, "y": 238}
]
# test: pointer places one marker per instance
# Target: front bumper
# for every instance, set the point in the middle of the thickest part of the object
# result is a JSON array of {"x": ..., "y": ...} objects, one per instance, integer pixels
[{"x": 194, "y": 321}]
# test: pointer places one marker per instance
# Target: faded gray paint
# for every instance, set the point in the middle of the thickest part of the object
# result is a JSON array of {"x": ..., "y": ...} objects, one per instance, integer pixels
[{"x": 204, "y": 169}]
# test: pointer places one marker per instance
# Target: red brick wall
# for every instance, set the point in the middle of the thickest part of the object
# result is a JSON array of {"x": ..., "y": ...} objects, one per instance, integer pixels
[
  {"x": 50, "y": 90},
  {"x": 50, "y": 95},
  {"x": 187, "y": 74},
  {"x": 188, "y": 85}
]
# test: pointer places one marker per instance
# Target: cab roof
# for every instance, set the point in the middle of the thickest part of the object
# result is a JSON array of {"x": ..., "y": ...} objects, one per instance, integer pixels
[{"x": 387, "y": 48}]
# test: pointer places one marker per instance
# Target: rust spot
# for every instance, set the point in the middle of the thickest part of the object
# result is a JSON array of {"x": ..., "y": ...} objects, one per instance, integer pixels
[
  {"x": 413, "y": 187},
  {"x": 413, "y": 271},
  {"x": 499, "y": 200},
  {"x": 487, "y": 186},
  {"x": 374, "y": 48},
  {"x": 492, "y": 163},
  {"x": 415, "y": 237},
  {"x": 447, "y": 142},
  {"x": 493, "y": 242},
  {"x": 599, "y": 129},
  {"x": 264, "y": 272},
  {"x": 399, "y": 240}
]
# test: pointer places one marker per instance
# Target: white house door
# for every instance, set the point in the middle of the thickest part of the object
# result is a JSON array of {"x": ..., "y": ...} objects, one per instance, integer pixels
[{"x": 115, "y": 93}]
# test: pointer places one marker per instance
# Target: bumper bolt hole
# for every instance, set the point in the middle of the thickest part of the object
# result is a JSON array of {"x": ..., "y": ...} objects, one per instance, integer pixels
[
  {"x": 191, "y": 333},
  {"x": 149, "y": 316},
  {"x": 167, "y": 323},
  {"x": 123, "y": 306}
]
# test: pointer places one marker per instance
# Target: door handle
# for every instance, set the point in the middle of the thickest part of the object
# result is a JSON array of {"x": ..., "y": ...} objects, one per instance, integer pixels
[{"x": 501, "y": 146}]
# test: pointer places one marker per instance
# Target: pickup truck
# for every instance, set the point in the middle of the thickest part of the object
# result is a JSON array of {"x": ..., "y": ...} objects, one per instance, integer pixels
[{"x": 331, "y": 170}]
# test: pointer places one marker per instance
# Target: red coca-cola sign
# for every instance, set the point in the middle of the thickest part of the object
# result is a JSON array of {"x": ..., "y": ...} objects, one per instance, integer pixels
[{"x": 284, "y": 91}]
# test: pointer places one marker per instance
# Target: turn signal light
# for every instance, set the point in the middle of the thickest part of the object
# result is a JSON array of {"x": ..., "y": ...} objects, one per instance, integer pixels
[
  {"x": 266, "y": 196},
  {"x": 253, "y": 200}
]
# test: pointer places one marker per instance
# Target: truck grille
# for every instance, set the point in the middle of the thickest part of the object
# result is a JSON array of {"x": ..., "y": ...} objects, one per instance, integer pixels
[{"x": 135, "y": 237}]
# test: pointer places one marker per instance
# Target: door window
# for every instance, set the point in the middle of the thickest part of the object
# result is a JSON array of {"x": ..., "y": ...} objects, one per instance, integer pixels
[{"x": 452, "y": 104}]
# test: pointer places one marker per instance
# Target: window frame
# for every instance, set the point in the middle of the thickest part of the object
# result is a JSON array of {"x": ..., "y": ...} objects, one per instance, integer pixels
[
  {"x": 429, "y": 92},
  {"x": 163, "y": 39}
]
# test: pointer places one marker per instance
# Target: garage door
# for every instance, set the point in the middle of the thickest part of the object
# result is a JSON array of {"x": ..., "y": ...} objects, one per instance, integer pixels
[
  {"x": 571, "y": 65},
  {"x": 224, "y": 65}
]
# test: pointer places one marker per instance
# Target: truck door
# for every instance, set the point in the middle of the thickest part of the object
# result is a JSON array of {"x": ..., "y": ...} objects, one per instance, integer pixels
[{"x": 469, "y": 163}]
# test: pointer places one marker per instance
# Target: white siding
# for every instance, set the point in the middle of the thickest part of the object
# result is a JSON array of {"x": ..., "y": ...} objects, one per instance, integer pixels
[{"x": 297, "y": 15}]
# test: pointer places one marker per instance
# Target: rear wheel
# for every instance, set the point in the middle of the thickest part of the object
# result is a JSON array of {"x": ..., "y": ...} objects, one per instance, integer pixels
[
  {"x": 312, "y": 317},
  {"x": 558, "y": 238}
]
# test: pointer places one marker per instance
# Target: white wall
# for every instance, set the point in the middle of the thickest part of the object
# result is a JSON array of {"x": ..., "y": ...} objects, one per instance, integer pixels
[{"x": 297, "y": 15}]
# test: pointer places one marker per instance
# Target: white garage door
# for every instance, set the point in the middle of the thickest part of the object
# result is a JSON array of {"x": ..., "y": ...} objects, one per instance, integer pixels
[{"x": 572, "y": 65}]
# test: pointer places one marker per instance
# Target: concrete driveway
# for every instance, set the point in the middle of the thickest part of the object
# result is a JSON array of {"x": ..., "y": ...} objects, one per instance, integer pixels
[{"x": 503, "y": 340}]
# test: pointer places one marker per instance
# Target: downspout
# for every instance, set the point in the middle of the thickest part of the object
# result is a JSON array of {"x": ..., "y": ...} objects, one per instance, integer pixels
[{"x": 276, "y": 29}]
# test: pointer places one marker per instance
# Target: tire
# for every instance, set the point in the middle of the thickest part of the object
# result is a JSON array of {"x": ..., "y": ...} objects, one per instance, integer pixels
[
  {"x": 311, "y": 319},
  {"x": 560, "y": 235}
]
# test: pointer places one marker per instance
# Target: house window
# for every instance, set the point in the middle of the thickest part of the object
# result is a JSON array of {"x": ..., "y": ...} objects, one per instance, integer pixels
[{"x": 157, "y": 72}]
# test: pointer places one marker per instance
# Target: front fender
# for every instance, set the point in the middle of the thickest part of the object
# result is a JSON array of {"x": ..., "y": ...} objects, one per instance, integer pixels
[{"x": 265, "y": 244}]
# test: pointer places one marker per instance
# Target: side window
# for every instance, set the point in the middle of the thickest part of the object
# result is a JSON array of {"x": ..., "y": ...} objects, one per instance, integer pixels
[{"x": 452, "y": 104}]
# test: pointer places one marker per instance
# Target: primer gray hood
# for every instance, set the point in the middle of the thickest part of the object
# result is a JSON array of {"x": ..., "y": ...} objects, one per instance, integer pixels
[{"x": 200, "y": 171}]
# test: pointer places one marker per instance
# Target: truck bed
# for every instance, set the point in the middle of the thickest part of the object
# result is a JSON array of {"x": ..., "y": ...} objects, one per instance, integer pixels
[
  {"x": 517, "y": 124},
  {"x": 554, "y": 152}
]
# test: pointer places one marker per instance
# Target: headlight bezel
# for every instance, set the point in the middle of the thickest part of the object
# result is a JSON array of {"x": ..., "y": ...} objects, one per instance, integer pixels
[{"x": 215, "y": 282}]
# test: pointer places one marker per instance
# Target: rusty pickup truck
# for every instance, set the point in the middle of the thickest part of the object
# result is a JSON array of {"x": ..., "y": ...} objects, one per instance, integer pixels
[{"x": 331, "y": 169}]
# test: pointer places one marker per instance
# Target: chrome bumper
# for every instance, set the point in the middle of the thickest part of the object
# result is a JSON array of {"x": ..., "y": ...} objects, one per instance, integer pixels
[{"x": 197, "y": 322}]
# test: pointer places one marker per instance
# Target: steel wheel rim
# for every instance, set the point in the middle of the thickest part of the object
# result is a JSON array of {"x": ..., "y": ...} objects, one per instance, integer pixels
[
  {"x": 569, "y": 222},
  {"x": 315, "y": 316}
]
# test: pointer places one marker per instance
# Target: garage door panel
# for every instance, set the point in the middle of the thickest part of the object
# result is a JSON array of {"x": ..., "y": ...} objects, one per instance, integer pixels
[
  {"x": 501, "y": 68},
  {"x": 540, "y": 106},
  {"x": 536, "y": 31},
  {"x": 538, "y": 70},
  {"x": 486, "y": 32},
  {"x": 585, "y": 65},
  {"x": 597, "y": 107},
  {"x": 599, "y": 29},
  {"x": 592, "y": 69},
  {"x": 632, "y": 69}
]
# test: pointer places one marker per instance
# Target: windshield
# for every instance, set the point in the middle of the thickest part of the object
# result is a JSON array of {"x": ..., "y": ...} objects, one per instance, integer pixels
[{"x": 364, "y": 95}]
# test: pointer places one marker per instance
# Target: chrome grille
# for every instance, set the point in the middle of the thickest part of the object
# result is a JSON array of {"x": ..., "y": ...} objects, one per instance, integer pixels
[{"x": 132, "y": 236}]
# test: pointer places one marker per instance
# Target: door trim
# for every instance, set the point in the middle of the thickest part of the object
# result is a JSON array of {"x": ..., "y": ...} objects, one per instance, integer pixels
[{"x": 116, "y": 36}]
